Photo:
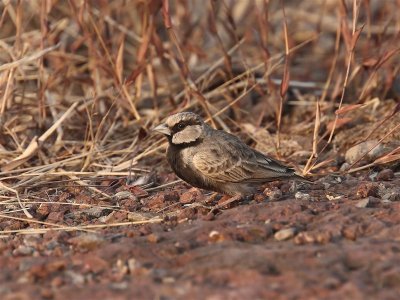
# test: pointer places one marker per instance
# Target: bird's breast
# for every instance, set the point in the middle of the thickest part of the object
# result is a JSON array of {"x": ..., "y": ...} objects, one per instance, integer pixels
[{"x": 180, "y": 160}]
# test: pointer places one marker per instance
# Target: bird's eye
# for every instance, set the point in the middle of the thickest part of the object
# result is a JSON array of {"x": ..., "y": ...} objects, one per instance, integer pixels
[{"x": 181, "y": 126}]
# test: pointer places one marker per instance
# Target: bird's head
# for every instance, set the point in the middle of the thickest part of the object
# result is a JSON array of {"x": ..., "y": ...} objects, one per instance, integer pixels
[{"x": 182, "y": 128}]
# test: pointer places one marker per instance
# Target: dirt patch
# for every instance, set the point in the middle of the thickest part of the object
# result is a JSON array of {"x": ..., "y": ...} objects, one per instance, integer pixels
[{"x": 340, "y": 245}]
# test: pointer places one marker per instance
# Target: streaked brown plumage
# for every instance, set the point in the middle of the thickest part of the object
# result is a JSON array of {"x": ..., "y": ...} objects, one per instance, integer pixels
[{"x": 216, "y": 160}]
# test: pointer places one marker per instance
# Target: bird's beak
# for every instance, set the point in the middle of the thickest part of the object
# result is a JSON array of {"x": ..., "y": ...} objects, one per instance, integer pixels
[{"x": 162, "y": 128}]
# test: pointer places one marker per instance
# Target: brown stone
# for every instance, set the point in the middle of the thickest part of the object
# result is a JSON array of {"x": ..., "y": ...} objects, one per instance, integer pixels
[
  {"x": 87, "y": 241},
  {"x": 385, "y": 175},
  {"x": 190, "y": 196},
  {"x": 55, "y": 217},
  {"x": 95, "y": 264}
]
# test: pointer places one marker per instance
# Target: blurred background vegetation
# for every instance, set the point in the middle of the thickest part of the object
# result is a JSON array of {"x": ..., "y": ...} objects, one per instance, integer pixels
[{"x": 83, "y": 82}]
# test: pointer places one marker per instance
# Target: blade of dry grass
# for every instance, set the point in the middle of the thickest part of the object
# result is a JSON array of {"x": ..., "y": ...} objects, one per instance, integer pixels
[
  {"x": 34, "y": 145},
  {"x": 27, "y": 59},
  {"x": 75, "y": 228},
  {"x": 5, "y": 187}
]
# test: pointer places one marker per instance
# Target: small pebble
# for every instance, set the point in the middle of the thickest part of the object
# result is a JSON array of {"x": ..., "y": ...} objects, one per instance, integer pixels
[
  {"x": 95, "y": 212},
  {"x": 119, "y": 286},
  {"x": 356, "y": 152},
  {"x": 153, "y": 238},
  {"x": 124, "y": 195},
  {"x": 87, "y": 241},
  {"x": 75, "y": 277},
  {"x": 304, "y": 238},
  {"x": 191, "y": 196},
  {"x": 385, "y": 175},
  {"x": 133, "y": 265},
  {"x": 326, "y": 185},
  {"x": 23, "y": 250},
  {"x": 344, "y": 166},
  {"x": 285, "y": 234},
  {"x": 260, "y": 197},
  {"x": 57, "y": 282},
  {"x": 31, "y": 241},
  {"x": 302, "y": 196},
  {"x": 391, "y": 195},
  {"x": 215, "y": 236},
  {"x": 273, "y": 194},
  {"x": 368, "y": 202},
  {"x": 351, "y": 232},
  {"x": 366, "y": 189},
  {"x": 372, "y": 176},
  {"x": 363, "y": 203}
]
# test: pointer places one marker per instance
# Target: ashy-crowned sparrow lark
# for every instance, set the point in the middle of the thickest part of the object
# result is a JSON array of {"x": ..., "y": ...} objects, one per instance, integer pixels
[{"x": 216, "y": 160}]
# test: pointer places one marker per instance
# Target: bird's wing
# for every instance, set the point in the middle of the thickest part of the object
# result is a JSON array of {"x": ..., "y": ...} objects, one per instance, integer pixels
[
  {"x": 268, "y": 163},
  {"x": 230, "y": 160}
]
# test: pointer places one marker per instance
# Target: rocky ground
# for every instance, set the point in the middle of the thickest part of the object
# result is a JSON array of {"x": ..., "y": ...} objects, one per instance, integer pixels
[{"x": 335, "y": 239}]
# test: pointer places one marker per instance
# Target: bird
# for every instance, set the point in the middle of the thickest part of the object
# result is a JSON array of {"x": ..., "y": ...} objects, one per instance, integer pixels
[{"x": 216, "y": 160}]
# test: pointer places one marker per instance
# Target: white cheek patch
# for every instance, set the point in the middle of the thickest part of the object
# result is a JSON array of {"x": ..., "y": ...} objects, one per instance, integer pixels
[{"x": 189, "y": 134}]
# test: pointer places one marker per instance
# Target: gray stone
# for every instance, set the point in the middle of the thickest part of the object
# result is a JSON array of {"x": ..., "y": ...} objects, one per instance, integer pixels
[{"x": 357, "y": 151}]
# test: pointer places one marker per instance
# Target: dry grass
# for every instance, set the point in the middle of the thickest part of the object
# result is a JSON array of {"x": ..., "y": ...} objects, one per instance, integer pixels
[{"x": 83, "y": 82}]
